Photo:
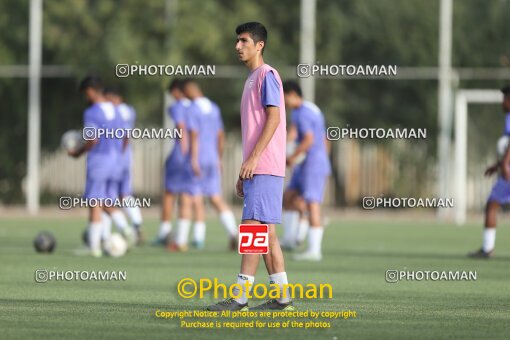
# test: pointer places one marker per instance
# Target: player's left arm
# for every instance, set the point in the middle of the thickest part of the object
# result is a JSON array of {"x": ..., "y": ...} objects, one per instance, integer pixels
[
  {"x": 327, "y": 143},
  {"x": 272, "y": 122}
]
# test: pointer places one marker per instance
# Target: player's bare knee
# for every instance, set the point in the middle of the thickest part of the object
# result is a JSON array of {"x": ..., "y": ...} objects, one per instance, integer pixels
[{"x": 218, "y": 203}]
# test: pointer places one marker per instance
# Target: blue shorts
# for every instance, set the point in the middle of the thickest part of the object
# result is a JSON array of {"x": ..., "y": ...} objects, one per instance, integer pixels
[
  {"x": 263, "y": 195},
  {"x": 208, "y": 184},
  {"x": 210, "y": 180},
  {"x": 175, "y": 176},
  {"x": 500, "y": 192},
  {"x": 125, "y": 188},
  {"x": 101, "y": 188},
  {"x": 309, "y": 185}
]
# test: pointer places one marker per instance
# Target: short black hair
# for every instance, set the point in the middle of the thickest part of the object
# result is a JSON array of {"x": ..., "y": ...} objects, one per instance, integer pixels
[
  {"x": 176, "y": 84},
  {"x": 506, "y": 90},
  {"x": 113, "y": 90},
  {"x": 91, "y": 81},
  {"x": 256, "y": 30},
  {"x": 291, "y": 86}
]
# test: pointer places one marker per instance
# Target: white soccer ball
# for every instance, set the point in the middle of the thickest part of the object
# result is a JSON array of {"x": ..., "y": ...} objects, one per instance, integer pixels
[
  {"x": 72, "y": 140},
  {"x": 502, "y": 145},
  {"x": 115, "y": 245},
  {"x": 291, "y": 147}
]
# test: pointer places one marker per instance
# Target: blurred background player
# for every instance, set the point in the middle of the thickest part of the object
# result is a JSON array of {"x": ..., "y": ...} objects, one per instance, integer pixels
[
  {"x": 500, "y": 193},
  {"x": 175, "y": 167},
  {"x": 262, "y": 172},
  {"x": 102, "y": 162},
  {"x": 128, "y": 115},
  {"x": 309, "y": 177},
  {"x": 204, "y": 177}
]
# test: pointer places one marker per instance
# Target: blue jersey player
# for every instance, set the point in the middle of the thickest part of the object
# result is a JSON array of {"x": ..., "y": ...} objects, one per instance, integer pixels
[
  {"x": 175, "y": 166},
  {"x": 203, "y": 172},
  {"x": 102, "y": 169},
  {"x": 500, "y": 193},
  {"x": 306, "y": 188},
  {"x": 128, "y": 117}
]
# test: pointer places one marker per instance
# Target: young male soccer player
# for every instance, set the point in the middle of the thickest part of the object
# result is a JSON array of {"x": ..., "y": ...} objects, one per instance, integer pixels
[
  {"x": 500, "y": 193},
  {"x": 175, "y": 167},
  {"x": 207, "y": 140},
  {"x": 262, "y": 172},
  {"x": 128, "y": 116},
  {"x": 102, "y": 161},
  {"x": 309, "y": 178}
]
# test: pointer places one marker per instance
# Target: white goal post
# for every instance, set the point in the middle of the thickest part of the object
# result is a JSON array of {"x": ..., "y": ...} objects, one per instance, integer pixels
[{"x": 462, "y": 99}]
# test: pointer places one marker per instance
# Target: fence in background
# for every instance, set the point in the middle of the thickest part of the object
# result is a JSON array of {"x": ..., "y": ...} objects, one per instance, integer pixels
[{"x": 400, "y": 169}]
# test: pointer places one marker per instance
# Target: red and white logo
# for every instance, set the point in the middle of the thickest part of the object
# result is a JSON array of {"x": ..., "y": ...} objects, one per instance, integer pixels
[{"x": 253, "y": 239}]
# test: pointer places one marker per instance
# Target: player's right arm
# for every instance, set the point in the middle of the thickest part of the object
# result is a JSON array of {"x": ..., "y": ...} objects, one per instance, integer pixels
[
  {"x": 304, "y": 126},
  {"x": 184, "y": 140},
  {"x": 302, "y": 148},
  {"x": 89, "y": 144},
  {"x": 491, "y": 170},
  {"x": 292, "y": 133}
]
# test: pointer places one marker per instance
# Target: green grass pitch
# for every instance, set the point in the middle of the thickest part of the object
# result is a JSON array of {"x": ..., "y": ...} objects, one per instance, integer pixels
[{"x": 356, "y": 256}]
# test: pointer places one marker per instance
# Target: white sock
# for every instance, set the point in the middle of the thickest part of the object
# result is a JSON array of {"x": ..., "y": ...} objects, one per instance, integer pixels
[
  {"x": 303, "y": 227},
  {"x": 229, "y": 222},
  {"x": 119, "y": 220},
  {"x": 489, "y": 239},
  {"x": 95, "y": 230},
  {"x": 181, "y": 238},
  {"x": 164, "y": 230},
  {"x": 315, "y": 239},
  {"x": 107, "y": 226},
  {"x": 290, "y": 219},
  {"x": 199, "y": 232},
  {"x": 134, "y": 213},
  {"x": 241, "y": 280},
  {"x": 281, "y": 279}
]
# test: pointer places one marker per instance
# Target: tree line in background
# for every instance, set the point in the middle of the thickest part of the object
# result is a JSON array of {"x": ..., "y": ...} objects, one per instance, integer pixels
[{"x": 94, "y": 36}]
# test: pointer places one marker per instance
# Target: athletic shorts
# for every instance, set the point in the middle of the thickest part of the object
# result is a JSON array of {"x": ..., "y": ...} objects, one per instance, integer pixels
[
  {"x": 101, "y": 188},
  {"x": 500, "y": 192},
  {"x": 309, "y": 185},
  {"x": 263, "y": 196},
  {"x": 175, "y": 176},
  {"x": 207, "y": 184},
  {"x": 125, "y": 188}
]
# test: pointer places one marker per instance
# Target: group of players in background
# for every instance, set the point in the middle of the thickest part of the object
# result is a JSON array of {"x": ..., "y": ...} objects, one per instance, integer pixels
[
  {"x": 193, "y": 170},
  {"x": 108, "y": 168}
]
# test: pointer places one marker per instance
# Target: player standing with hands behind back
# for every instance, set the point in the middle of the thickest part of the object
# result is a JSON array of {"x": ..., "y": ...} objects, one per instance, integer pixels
[{"x": 262, "y": 172}]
